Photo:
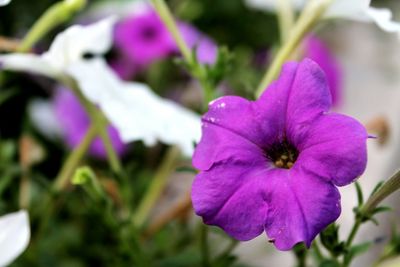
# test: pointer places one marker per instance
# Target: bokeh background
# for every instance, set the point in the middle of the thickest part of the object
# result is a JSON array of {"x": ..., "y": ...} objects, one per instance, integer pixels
[{"x": 80, "y": 234}]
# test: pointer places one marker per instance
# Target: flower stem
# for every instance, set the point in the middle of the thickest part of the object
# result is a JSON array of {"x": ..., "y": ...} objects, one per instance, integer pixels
[
  {"x": 285, "y": 18},
  {"x": 101, "y": 123},
  {"x": 166, "y": 16},
  {"x": 196, "y": 69},
  {"x": 204, "y": 245},
  {"x": 73, "y": 160},
  {"x": 156, "y": 187},
  {"x": 388, "y": 188},
  {"x": 308, "y": 18},
  {"x": 54, "y": 16},
  {"x": 176, "y": 211},
  {"x": 353, "y": 232}
]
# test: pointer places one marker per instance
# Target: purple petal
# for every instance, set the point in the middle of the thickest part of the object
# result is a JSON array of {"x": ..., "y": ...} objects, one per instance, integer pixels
[
  {"x": 260, "y": 122},
  {"x": 230, "y": 196},
  {"x": 309, "y": 98},
  {"x": 143, "y": 39},
  {"x": 219, "y": 144},
  {"x": 335, "y": 148},
  {"x": 296, "y": 213},
  {"x": 316, "y": 50}
]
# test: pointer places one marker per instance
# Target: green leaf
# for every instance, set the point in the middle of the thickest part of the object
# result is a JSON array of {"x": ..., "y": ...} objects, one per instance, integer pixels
[
  {"x": 357, "y": 250},
  {"x": 381, "y": 209},
  {"x": 360, "y": 196},
  {"x": 376, "y": 188}
]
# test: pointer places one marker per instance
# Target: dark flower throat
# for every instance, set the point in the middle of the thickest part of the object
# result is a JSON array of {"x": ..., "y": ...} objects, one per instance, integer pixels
[{"x": 283, "y": 155}]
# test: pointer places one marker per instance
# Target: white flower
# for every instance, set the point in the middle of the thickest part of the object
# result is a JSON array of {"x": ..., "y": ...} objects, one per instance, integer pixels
[
  {"x": 359, "y": 10},
  {"x": 14, "y": 236},
  {"x": 4, "y": 2},
  {"x": 137, "y": 112},
  {"x": 133, "y": 108},
  {"x": 41, "y": 113}
]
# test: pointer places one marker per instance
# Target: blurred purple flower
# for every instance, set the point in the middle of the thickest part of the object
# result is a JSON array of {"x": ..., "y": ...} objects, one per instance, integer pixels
[
  {"x": 75, "y": 122},
  {"x": 316, "y": 50},
  {"x": 143, "y": 39},
  {"x": 261, "y": 162},
  {"x": 206, "y": 49}
]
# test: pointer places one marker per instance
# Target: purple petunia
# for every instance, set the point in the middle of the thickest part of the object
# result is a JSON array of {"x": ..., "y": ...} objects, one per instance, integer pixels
[
  {"x": 316, "y": 50},
  {"x": 143, "y": 39},
  {"x": 273, "y": 164},
  {"x": 75, "y": 122}
]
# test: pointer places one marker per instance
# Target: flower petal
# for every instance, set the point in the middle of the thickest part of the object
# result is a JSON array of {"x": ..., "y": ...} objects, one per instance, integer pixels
[
  {"x": 219, "y": 144},
  {"x": 230, "y": 196},
  {"x": 383, "y": 18},
  {"x": 296, "y": 213},
  {"x": 260, "y": 122},
  {"x": 309, "y": 97},
  {"x": 317, "y": 50},
  {"x": 29, "y": 63},
  {"x": 134, "y": 110},
  {"x": 14, "y": 236},
  {"x": 4, "y": 2},
  {"x": 335, "y": 148},
  {"x": 41, "y": 113},
  {"x": 354, "y": 10},
  {"x": 72, "y": 44}
]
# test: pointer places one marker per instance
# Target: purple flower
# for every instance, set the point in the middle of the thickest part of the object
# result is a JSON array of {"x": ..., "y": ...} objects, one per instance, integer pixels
[
  {"x": 273, "y": 164},
  {"x": 143, "y": 38},
  {"x": 206, "y": 49},
  {"x": 316, "y": 50},
  {"x": 75, "y": 122}
]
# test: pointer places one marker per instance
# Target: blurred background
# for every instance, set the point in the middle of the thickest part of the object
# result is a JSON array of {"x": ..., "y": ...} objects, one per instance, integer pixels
[{"x": 34, "y": 143}]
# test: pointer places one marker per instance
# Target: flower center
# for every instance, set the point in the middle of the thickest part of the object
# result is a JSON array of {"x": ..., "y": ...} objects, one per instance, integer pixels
[
  {"x": 149, "y": 33},
  {"x": 283, "y": 155}
]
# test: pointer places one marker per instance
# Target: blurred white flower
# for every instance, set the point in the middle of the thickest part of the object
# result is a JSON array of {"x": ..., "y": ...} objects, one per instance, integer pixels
[
  {"x": 41, "y": 113},
  {"x": 133, "y": 108},
  {"x": 359, "y": 10},
  {"x": 4, "y": 2},
  {"x": 14, "y": 236}
]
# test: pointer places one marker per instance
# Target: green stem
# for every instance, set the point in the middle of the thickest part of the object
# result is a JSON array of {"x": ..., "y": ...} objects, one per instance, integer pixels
[
  {"x": 156, "y": 187},
  {"x": 353, "y": 233},
  {"x": 317, "y": 251},
  {"x": 101, "y": 123},
  {"x": 204, "y": 245},
  {"x": 285, "y": 18},
  {"x": 388, "y": 188},
  {"x": 165, "y": 13},
  {"x": 308, "y": 18},
  {"x": 73, "y": 160},
  {"x": 54, "y": 16},
  {"x": 197, "y": 70}
]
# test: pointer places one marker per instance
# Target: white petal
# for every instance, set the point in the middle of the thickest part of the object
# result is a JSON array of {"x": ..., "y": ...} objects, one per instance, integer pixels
[
  {"x": 354, "y": 9},
  {"x": 135, "y": 110},
  {"x": 70, "y": 45},
  {"x": 122, "y": 8},
  {"x": 272, "y": 5},
  {"x": 29, "y": 63},
  {"x": 41, "y": 113},
  {"x": 383, "y": 18},
  {"x": 14, "y": 236},
  {"x": 4, "y": 2}
]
